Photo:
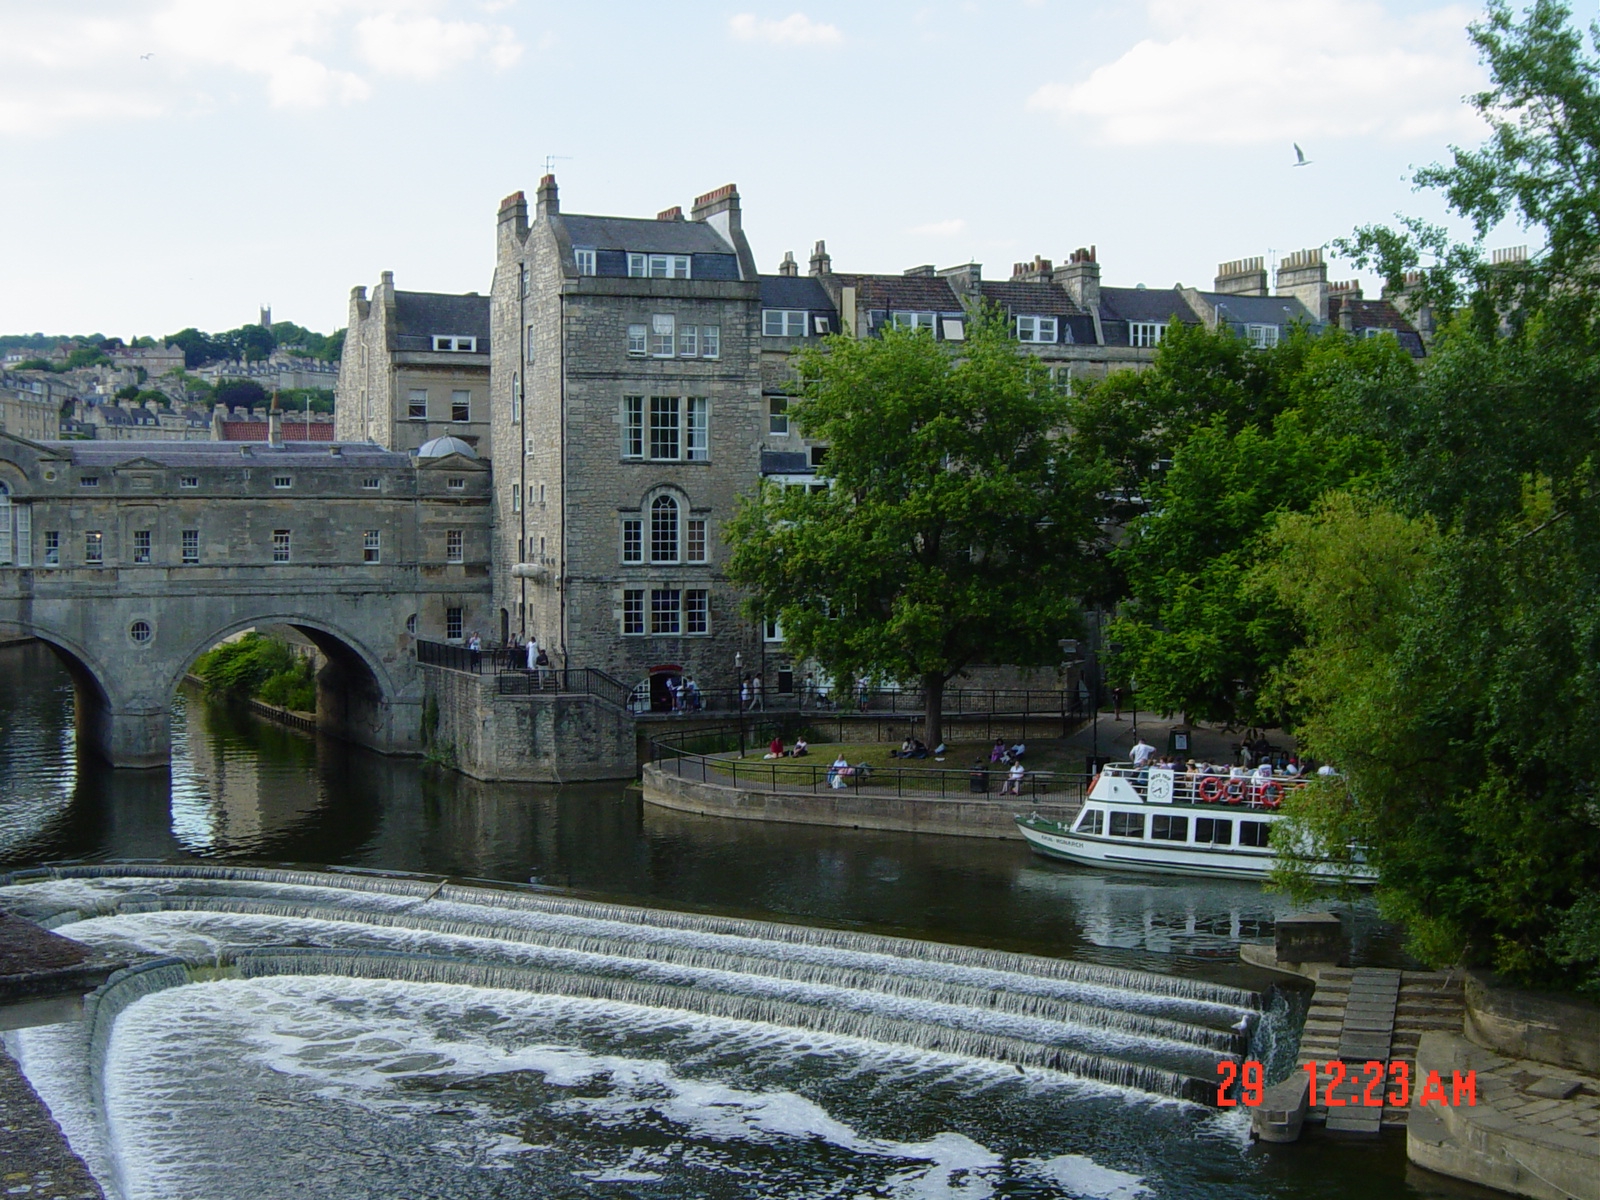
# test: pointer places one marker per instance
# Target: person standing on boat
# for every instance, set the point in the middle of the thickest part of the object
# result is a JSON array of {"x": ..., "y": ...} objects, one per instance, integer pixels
[{"x": 1142, "y": 753}]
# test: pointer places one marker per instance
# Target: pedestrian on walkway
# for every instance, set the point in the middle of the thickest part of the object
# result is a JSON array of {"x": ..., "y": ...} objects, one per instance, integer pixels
[
  {"x": 755, "y": 695},
  {"x": 533, "y": 652},
  {"x": 744, "y": 694}
]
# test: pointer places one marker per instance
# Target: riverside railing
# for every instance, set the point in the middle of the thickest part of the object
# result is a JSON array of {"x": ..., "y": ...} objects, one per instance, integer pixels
[
  {"x": 816, "y": 774},
  {"x": 513, "y": 678}
]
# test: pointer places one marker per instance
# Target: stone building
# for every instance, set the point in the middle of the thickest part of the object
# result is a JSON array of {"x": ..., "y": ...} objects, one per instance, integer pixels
[
  {"x": 629, "y": 418},
  {"x": 415, "y": 367},
  {"x": 27, "y": 409}
]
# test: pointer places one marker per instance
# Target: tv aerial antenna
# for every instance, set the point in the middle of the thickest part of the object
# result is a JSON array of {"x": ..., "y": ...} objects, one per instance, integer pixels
[{"x": 550, "y": 161}]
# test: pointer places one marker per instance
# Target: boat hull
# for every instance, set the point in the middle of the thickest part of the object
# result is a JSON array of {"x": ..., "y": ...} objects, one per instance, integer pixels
[{"x": 1055, "y": 841}]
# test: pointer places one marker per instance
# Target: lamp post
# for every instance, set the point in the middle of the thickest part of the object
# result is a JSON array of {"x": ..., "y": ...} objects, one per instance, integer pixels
[{"x": 738, "y": 664}]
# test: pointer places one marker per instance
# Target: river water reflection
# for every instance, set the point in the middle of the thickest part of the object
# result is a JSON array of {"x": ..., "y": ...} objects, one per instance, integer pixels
[{"x": 244, "y": 791}]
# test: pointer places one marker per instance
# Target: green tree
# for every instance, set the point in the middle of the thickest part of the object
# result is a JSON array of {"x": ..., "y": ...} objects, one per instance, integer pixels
[
  {"x": 1197, "y": 631},
  {"x": 241, "y": 393},
  {"x": 958, "y": 523},
  {"x": 1468, "y": 718}
]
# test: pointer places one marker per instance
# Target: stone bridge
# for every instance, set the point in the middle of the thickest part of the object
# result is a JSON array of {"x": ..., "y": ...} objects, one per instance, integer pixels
[{"x": 132, "y": 559}]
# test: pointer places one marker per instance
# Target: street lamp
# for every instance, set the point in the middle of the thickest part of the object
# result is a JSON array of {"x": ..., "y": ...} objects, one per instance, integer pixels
[{"x": 738, "y": 663}]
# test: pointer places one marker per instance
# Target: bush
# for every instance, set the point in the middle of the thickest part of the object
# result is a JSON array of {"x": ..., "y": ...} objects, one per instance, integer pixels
[{"x": 263, "y": 667}]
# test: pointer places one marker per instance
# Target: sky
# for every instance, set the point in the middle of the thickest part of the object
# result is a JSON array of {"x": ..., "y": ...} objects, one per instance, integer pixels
[{"x": 183, "y": 162}]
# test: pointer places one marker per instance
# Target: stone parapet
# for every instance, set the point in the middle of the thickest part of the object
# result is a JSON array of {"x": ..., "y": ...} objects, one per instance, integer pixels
[{"x": 849, "y": 808}]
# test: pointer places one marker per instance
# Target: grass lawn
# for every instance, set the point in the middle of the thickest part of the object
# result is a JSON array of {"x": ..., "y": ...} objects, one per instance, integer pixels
[{"x": 1042, "y": 755}]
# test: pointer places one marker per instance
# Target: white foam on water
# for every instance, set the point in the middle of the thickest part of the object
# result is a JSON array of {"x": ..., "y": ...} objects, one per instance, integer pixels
[
  {"x": 1086, "y": 1179},
  {"x": 352, "y": 1042}
]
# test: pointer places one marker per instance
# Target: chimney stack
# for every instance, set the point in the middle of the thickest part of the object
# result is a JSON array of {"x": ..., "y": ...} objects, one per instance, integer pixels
[
  {"x": 788, "y": 267},
  {"x": 275, "y": 424},
  {"x": 719, "y": 209},
  {"x": 1038, "y": 271},
  {"x": 675, "y": 213},
  {"x": 1242, "y": 277},
  {"x": 514, "y": 212},
  {"x": 1304, "y": 276},
  {"x": 821, "y": 260},
  {"x": 547, "y": 201},
  {"x": 1079, "y": 276}
]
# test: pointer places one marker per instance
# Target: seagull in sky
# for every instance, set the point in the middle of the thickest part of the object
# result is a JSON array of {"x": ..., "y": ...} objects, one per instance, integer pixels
[
  {"x": 152, "y": 55},
  {"x": 1300, "y": 156}
]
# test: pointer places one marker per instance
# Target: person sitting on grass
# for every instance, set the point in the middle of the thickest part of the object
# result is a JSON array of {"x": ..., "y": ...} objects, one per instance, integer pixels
[
  {"x": 1019, "y": 750},
  {"x": 800, "y": 747},
  {"x": 775, "y": 747},
  {"x": 999, "y": 751},
  {"x": 905, "y": 749}
]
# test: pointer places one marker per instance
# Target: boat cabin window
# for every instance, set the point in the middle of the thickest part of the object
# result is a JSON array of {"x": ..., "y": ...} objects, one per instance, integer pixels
[
  {"x": 1169, "y": 829},
  {"x": 1130, "y": 825},
  {"x": 1089, "y": 821},
  {"x": 1253, "y": 833},
  {"x": 1213, "y": 831}
]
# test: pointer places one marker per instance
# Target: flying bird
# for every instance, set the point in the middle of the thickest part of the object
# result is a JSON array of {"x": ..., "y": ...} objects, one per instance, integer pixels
[
  {"x": 1300, "y": 156},
  {"x": 150, "y": 55}
]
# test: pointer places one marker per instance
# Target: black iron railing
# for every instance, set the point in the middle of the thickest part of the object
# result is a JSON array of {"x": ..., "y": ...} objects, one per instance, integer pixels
[{"x": 563, "y": 680}]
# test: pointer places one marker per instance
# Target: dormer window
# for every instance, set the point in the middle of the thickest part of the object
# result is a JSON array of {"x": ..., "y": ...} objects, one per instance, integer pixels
[
  {"x": 783, "y": 322},
  {"x": 453, "y": 344},
  {"x": 1262, "y": 336},
  {"x": 586, "y": 260},
  {"x": 658, "y": 266},
  {"x": 1036, "y": 329},
  {"x": 1145, "y": 334},
  {"x": 913, "y": 320}
]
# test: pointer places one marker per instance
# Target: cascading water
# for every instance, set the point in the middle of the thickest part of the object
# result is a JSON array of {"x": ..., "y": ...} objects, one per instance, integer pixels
[{"x": 483, "y": 1042}]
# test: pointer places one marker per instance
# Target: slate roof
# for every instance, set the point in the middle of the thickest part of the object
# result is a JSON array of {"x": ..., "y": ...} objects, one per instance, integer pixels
[
  {"x": 641, "y": 234},
  {"x": 1261, "y": 310},
  {"x": 1144, "y": 304},
  {"x": 1376, "y": 314},
  {"x": 223, "y": 454},
  {"x": 794, "y": 291},
  {"x": 1030, "y": 299},
  {"x": 902, "y": 293},
  {"x": 419, "y": 316}
]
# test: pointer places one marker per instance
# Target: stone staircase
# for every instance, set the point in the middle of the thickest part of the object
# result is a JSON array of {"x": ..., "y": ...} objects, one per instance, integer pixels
[{"x": 1361, "y": 1015}]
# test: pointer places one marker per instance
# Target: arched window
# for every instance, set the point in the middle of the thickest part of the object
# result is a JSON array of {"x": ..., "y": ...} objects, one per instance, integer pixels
[
  {"x": 16, "y": 531},
  {"x": 664, "y": 530}
]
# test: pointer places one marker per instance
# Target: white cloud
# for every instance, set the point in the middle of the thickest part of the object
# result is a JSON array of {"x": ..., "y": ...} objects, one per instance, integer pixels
[
  {"x": 1242, "y": 71},
  {"x": 939, "y": 228},
  {"x": 796, "y": 29},
  {"x": 62, "y": 66}
]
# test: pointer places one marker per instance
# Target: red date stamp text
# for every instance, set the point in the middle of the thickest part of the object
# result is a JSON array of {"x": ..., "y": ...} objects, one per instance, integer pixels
[{"x": 1337, "y": 1085}]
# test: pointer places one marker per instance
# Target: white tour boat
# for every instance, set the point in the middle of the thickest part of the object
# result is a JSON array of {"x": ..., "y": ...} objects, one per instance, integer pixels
[{"x": 1176, "y": 822}]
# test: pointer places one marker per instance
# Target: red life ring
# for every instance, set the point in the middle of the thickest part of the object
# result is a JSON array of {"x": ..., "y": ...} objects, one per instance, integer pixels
[
  {"x": 1210, "y": 789},
  {"x": 1272, "y": 795},
  {"x": 1235, "y": 791}
]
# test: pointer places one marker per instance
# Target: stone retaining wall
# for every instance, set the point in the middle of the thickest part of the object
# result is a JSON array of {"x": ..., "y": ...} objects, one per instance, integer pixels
[
  {"x": 540, "y": 739},
  {"x": 849, "y": 809}
]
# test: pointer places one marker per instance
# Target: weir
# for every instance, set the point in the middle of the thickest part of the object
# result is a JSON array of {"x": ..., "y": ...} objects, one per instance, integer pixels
[{"x": 1158, "y": 1034}]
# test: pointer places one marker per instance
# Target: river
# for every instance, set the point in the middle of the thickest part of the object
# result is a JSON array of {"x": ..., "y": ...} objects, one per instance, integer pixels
[{"x": 242, "y": 791}]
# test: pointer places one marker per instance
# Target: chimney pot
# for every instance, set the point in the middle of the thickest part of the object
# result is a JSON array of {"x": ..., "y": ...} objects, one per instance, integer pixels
[
  {"x": 675, "y": 213},
  {"x": 788, "y": 266}
]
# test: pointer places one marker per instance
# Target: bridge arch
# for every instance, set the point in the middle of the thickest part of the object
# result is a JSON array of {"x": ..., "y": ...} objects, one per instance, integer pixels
[
  {"x": 356, "y": 690},
  {"x": 97, "y": 699}
]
